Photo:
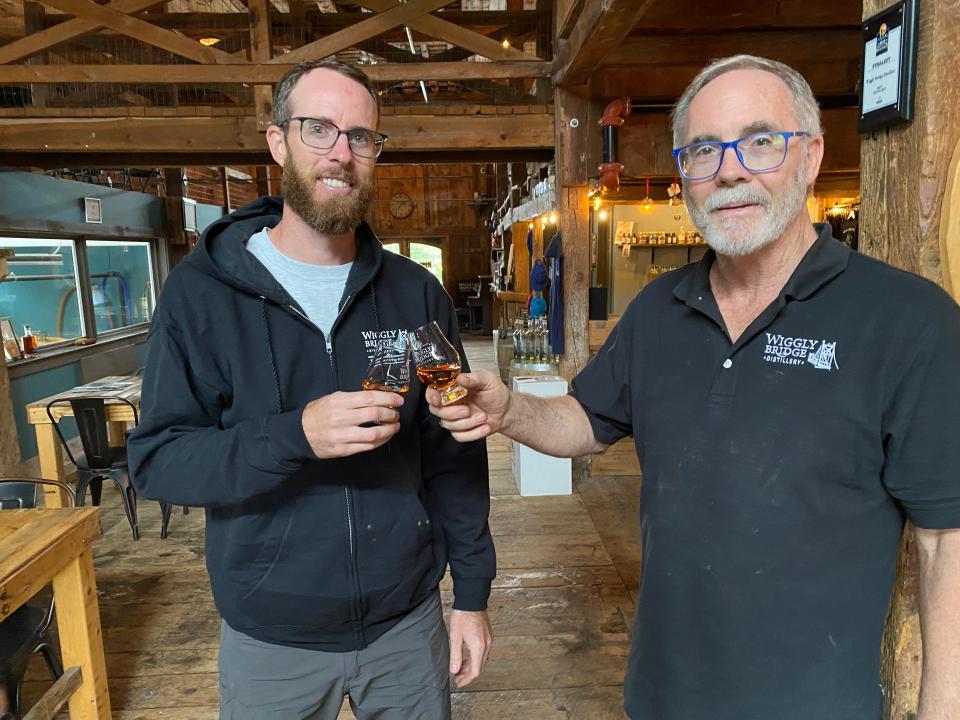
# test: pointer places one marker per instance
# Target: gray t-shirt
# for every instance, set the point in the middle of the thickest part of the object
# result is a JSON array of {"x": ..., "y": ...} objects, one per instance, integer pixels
[{"x": 316, "y": 288}]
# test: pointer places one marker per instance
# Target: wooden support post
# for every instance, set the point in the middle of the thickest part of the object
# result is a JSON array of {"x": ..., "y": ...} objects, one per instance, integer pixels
[
  {"x": 259, "y": 11},
  {"x": 9, "y": 447},
  {"x": 572, "y": 127},
  {"x": 904, "y": 177},
  {"x": 34, "y": 21}
]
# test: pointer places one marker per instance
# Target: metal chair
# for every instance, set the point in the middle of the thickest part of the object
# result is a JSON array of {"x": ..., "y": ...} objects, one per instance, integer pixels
[
  {"x": 100, "y": 460},
  {"x": 24, "y": 633}
]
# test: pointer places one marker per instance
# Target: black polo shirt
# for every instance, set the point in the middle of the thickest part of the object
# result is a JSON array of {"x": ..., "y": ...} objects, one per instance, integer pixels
[{"x": 777, "y": 474}]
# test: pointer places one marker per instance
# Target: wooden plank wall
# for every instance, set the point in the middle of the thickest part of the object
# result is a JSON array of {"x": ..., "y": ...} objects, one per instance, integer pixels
[{"x": 445, "y": 208}]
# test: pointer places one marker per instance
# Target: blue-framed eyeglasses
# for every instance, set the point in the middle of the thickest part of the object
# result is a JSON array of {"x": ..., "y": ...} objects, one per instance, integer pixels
[
  {"x": 757, "y": 152},
  {"x": 323, "y": 135}
]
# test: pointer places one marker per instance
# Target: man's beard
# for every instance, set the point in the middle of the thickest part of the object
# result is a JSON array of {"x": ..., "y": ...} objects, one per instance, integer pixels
[
  {"x": 738, "y": 236},
  {"x": 332, "y": 216}
]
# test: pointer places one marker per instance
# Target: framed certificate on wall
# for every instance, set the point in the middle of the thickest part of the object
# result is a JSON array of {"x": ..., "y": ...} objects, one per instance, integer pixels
[{"x": 889, "y": 79}]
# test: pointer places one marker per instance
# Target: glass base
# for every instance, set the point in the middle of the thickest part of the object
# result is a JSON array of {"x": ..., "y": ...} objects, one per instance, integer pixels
[{"x": 452, "y": 394}]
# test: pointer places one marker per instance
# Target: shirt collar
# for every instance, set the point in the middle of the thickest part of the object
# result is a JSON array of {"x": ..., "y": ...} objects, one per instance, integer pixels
[{"x": 825, "y": 259}]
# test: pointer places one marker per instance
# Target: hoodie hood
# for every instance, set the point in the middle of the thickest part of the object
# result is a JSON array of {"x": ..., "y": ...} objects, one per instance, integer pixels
[{"x": 221, "y": 252}]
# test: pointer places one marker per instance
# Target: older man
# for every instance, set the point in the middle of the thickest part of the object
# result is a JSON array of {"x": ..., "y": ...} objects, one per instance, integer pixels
[{"x": 792, "y": 403}]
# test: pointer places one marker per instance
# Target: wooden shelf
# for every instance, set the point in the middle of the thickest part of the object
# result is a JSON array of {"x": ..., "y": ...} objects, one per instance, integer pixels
[{"x": 657, "y": 245}]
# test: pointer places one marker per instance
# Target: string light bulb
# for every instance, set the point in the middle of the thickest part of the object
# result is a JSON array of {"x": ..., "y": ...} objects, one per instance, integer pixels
[
  {"x": 597, "y": 202},
  {"x": 603, "y": 214},
  {"x": 553, "y": 218},
  {"x": 647, "y": 201}
]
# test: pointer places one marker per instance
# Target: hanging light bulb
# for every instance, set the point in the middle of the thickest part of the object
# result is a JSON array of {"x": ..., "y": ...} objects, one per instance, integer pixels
[
  {"x": 597, "y": 202},
  {"x": 553, "y": 218},
  {"x": 603, "y": 214},
  {"x": 647, "y": 201}
]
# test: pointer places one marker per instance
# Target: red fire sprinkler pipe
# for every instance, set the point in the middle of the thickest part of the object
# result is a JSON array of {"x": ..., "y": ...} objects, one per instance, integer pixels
[{"x": 614, "y": 115}]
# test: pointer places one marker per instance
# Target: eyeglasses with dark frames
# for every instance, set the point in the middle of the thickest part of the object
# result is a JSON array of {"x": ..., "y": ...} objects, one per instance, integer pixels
[
  {"x": 757, "y": 152},
  {"x": 323, "y": 135}
]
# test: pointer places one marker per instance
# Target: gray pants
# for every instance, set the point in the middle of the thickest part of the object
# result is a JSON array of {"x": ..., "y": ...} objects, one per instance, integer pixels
[{"x": 403, "y": 675}]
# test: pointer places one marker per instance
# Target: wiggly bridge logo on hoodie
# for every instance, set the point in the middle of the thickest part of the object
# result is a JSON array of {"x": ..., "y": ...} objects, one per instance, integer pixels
[
  {"x": 393, "y": 340},
  {"x": 795, "y": 351}
]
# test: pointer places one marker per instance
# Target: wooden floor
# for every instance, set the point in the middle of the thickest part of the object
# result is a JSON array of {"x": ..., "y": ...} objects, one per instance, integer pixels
[{"x": 561, "y": 606}]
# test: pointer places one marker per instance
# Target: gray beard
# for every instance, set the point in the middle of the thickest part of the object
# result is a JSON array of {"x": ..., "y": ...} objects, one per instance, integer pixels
[
  {"x": 736, "y": 238},
  {"x": 334, "y": 216}
]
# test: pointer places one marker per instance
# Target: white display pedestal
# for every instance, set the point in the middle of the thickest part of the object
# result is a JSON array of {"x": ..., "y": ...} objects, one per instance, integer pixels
[{"x": 536, "y": 473}]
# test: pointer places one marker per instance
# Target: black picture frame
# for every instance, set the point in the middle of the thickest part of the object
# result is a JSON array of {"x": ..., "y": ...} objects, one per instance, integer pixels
[{"x": 888, "y": 77}]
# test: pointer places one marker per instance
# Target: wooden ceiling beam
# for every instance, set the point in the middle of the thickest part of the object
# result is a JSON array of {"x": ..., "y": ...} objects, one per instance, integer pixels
[
  {"x": 659, "y": 48},
  {"x": 601, "y": 26},
  {"x": 669, "y": 81},
  {"x": 239, "y": 135},
  {"x": 323, "y": 23},
  {"x": 697, "y": 16},
  {"x": 64, "y": 31},
  {"x": 262, "y": 158},
  {"x": 259, "y": 73},
  {"x": 401, "y": 14},
  {"x": 139, "y": 30},
  {"x": 436, "y": 27}
]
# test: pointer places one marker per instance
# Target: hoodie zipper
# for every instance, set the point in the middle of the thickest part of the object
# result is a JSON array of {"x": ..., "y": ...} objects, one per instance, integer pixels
[{"x": 351, "y": 539}]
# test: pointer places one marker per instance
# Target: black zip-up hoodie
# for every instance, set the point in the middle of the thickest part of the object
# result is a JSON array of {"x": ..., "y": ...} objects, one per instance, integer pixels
[{"x": 324, "y": 554}]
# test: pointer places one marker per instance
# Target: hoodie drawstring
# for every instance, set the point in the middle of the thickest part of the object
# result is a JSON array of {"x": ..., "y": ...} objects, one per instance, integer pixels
[{"x": 273, "y": 361}]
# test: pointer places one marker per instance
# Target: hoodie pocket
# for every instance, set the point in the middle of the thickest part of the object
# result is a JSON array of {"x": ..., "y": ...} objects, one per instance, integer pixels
[{"x": 306, "y": 582}]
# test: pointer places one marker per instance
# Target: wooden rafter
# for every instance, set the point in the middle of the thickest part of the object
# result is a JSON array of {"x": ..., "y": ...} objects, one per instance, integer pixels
[
  {"x": 600, "y": 27},
  {"x": 457, "y": 35},
  {"x": 140, "y": 30},
  {"x": 260, "y": 73},
  {"x": 399, "y": 14},
  {"x": 45, "y": 39},
  {"x": 240, "y": 134}
]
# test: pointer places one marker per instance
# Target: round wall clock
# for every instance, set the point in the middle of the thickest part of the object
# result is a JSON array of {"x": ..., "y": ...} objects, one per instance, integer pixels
[{"x": 401, "y": 206}]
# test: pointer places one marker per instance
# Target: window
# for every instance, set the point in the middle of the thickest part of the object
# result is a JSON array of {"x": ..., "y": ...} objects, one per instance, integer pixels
[
  {"x": 41, "y": 289},
  {"x": 428, "y": 254},
  {"x": 121, "y": 283},
  {"x": 70, "y": 288}
]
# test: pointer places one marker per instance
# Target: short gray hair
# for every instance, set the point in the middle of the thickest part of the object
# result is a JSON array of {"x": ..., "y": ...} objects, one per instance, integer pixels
[
  {"x": 804, "y": 103},
  {"x": 284, "y": 88}
]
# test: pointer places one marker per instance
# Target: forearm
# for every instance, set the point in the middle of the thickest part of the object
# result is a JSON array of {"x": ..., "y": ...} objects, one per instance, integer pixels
[
  {"x": 939, "y": 552},
  {"x": 554, "y": 426}
]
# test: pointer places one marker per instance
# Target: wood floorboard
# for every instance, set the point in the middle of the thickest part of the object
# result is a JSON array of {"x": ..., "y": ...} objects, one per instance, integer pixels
[{"x": 561, "y": 605}]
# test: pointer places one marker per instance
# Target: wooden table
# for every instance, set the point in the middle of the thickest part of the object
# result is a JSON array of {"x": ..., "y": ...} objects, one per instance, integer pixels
[
  {"x": 50, "y": 451},
  {"x": 55, "y": 545}
]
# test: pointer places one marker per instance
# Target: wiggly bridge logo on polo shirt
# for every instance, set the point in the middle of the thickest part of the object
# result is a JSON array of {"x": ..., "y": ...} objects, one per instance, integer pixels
[{"x": 796, "y": 351}]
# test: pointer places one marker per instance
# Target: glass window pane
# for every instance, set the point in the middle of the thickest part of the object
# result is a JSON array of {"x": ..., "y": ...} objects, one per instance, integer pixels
[
  {"x": 430, "y": 256},
  {"x": 41, "y": 289},
  {"x": 392, "y": 247},
  {"x": 121, "y": 283}
]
